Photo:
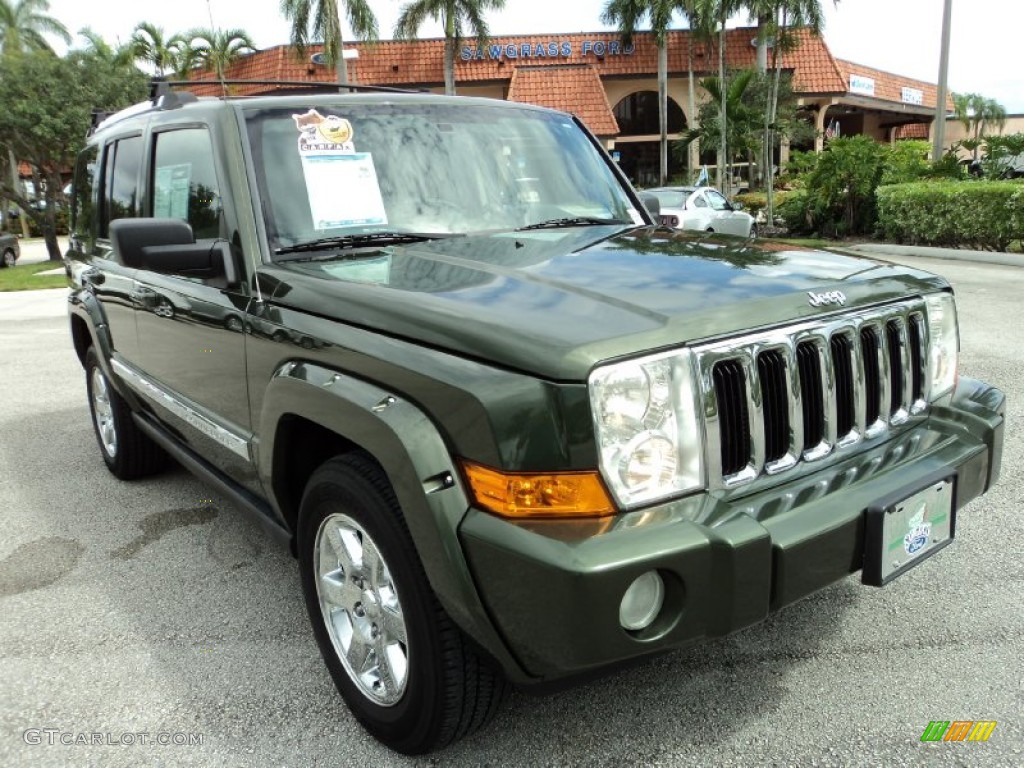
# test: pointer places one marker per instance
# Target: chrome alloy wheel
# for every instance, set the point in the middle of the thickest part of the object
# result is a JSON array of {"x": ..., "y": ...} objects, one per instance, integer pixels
[
  {"x": 103, "y": 413},
  {"x": 361, "y": 609}
]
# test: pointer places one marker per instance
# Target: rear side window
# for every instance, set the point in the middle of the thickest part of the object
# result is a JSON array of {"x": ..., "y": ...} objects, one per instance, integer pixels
[
  {"x": 83, "y": 207},
  {"x": 121, "y": 181},
  {"x": 184, "y": 184}
]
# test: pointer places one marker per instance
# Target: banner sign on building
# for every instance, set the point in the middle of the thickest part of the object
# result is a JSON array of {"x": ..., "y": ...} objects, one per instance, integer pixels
[
  {"x": 861, "y": 84},
  {"x": 912, "y": 96},
  {"x": 560, "y": 49}
]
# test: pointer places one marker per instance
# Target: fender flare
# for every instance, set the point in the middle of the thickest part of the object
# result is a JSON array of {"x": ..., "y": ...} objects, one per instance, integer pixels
[{"x": 416, "y": 459}]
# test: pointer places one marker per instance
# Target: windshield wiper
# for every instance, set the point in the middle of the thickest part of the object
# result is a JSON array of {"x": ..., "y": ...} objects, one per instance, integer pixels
[
  {"x": 573, "y": 221},
  {"x": 344, "y": 242}
]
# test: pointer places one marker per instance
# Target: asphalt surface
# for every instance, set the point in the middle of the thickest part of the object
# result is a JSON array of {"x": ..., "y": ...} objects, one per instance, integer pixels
[{"x": 158, "y": 608}]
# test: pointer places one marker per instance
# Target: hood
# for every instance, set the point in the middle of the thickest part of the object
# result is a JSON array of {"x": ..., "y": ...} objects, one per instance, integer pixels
[{"x": 556, "y": 302}]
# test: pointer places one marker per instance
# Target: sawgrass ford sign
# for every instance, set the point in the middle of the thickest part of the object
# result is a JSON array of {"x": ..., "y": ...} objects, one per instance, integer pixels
[{"x": 552, "y": 49}]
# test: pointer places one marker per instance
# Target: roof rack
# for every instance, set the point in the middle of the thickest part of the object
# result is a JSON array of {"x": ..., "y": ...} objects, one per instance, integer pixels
[{"x": 162, "y": 87}]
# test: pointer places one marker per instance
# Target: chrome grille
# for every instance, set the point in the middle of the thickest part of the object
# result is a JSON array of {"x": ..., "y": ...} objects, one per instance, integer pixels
[{"x": 799, "y": 394}]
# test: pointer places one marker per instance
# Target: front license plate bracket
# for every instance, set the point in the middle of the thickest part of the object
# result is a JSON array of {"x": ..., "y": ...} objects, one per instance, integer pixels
[{"x": 908, "y": 527}]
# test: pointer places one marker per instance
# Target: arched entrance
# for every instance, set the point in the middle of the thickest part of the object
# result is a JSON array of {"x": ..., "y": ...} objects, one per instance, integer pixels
[{"x": 637, "y": 142}]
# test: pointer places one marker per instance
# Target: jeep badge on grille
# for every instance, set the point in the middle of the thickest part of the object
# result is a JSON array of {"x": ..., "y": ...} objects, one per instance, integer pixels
[{"x": 824, "y": 299}]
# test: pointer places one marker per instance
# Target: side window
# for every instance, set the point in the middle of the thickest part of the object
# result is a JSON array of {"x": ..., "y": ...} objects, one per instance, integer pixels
[
  {"x": 184, "y": 184},
  {"x": 83, "y": 210},
  {"x": 700, "y": 202},
  {"x": 718, "y": 202},
  {"x": 120, "y": 181}
]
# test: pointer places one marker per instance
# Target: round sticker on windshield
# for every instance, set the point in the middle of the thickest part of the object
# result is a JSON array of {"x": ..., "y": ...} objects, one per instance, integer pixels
[{"x": 319, "y": 133}]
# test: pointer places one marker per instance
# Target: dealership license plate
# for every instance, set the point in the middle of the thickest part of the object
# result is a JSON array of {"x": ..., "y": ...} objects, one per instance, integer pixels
[{"x": 901, "y": 533}]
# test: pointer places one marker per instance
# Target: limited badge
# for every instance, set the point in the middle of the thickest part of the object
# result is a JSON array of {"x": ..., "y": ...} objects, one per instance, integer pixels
[{"x": 919, "y": 530}]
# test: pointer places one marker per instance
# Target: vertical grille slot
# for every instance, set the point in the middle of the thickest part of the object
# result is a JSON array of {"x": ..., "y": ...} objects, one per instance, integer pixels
[
  {"x": 896, "y": 384},
  {"x": 842, "y": 368},
  {"x": 811, "y": 395},
  {"x": 730, "y": 391},
  {"x": 869, "y": 343},
  {"x": 916, "y": 357},
  {"x": 771, "y": 368}
]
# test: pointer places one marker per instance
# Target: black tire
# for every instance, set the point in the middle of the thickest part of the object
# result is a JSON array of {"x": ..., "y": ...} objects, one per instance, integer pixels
[
  {"x": 127, "y": 451},
  {"x": 753, "y": 231},
  {"x": 447, "y": 689},
  {"x": 9, "y": 259}
]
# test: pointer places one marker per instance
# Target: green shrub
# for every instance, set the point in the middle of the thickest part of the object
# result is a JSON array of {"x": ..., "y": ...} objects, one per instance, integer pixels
[
  {"x": 981, "y": 214},
  {"x": 906, "y": 161},
  {"x": 755, "y": 202},
  {"x": 841, "y": 189},
  {"x": 794, "y": 212}
]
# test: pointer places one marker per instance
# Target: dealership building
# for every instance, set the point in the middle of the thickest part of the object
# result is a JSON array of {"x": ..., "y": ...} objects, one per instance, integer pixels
[{"x": 612, "y": 87}]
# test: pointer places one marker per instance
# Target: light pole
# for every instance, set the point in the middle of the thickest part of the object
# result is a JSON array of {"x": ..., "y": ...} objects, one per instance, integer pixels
[{"x": 940, "y": 97}]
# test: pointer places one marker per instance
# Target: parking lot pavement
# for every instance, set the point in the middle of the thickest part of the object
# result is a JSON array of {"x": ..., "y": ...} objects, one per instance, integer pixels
[{"x": 131, "y": 610}]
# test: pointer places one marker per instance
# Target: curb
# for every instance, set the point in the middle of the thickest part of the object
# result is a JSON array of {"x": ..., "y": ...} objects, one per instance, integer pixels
[{"x": 924, "y": 252}]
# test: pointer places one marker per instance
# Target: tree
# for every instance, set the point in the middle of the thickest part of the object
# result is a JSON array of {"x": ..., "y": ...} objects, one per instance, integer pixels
[
  {"x": 701, "y": 28},
  {"x": 218, "y": 49},
  {"x": 718, "y": 12},
  {"x": 976, "y": 112},
  {"x": 744, "y": 115},
  {"x": 24, "y": 25},
  {"x": 627, "y": 15},
  {"x": 320, "y": 20},
  {"x": 95, "y": 45},
  {"x": 778, "y": 22},
  {"x": 454, "y": 16},
  {"x": 48, "y": 111},
  {"x": 151, "y": 45}
]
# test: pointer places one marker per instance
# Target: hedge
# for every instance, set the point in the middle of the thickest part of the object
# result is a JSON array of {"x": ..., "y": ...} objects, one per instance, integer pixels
[
  {"x": 755, "y": 202},
  {"x": 980, "y": 214}
]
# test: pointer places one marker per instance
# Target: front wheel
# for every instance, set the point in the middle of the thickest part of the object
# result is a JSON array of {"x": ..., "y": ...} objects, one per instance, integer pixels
[
  {"x": 405, "y": 670},
  {"x": 753, "y": 231},
  {"x": 127, "y": 451},
  {"x": 9, "y": 259}
]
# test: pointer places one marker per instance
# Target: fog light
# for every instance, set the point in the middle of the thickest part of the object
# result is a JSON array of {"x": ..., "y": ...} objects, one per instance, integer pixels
[{"x": 642, "y": 601}]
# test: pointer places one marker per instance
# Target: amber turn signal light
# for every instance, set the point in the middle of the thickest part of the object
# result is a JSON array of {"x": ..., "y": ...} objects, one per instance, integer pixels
[{"x": 528, "y": 495}]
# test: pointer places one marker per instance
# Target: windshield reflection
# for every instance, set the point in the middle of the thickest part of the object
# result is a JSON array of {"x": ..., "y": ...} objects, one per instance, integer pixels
[{"x": 353, "y": 168}]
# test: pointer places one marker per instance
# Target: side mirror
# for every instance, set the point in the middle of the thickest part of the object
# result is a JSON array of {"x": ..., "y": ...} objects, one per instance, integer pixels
[
  {"x": 168, "y": 246},
  {"x": 651, "y": 203},
  {"x": 736, "y": 206}
]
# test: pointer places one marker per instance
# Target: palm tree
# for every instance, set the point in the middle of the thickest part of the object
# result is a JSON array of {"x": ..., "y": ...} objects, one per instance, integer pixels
[
  {"x": 24, "y": 25},
  {"x": 700, "y": 29},
  {"x": 454, "y": 15},
  {"x": 627, "y": 14},
  {"x": 778, "y": 21},
  {"x": 218, "y": 49},
  {"x": 120, "y": 55},
  {"x": 975, "y": 112},
  {"x": 720, "y": 11},
  {"x": 151, "y": 45},
  {"x": 321, "y": 20}
]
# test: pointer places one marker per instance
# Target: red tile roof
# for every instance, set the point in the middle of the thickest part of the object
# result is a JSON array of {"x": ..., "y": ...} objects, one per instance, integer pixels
[
  {"x": 420, "y": 63},
  {"x": 576, "y": 89},
  {"x": 912, "y": 131},
  {"x": 889, "y": 87}
]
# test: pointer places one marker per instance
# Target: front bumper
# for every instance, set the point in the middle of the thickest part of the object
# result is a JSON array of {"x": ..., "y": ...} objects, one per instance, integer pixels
[{"x": 553, "y": 588}]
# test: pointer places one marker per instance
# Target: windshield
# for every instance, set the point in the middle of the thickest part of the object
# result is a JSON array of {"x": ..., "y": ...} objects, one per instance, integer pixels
[{"x": 336, "y": 171}]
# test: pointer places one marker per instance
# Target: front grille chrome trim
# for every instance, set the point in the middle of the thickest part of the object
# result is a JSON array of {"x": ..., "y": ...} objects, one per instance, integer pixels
[{"x": 886, "y": 334}]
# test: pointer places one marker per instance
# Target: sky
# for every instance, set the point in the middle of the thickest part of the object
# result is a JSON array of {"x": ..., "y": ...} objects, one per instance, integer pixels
[{"x": 899, "y": 36}]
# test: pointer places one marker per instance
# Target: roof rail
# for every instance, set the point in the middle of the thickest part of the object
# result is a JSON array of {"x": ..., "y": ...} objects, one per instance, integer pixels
[{"x": 162, "y": 86}]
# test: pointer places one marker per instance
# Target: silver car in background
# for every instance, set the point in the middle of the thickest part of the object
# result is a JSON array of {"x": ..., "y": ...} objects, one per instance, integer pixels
[{"x": 703, "y": 208}]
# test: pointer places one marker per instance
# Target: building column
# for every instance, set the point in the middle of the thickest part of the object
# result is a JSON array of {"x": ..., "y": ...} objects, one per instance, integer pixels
[
  {"x": 819, "y": 128},
  {"x": 783, "y": 152}
]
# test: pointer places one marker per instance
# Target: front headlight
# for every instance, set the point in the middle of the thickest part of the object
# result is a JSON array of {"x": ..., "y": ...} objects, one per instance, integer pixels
[
  {"x": 943, "y": 344},
  {"x": 645, "y": 417}
]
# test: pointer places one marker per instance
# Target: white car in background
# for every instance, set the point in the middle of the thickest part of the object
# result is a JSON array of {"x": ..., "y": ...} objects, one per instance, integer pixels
[{"x": 703, "y": 208}]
